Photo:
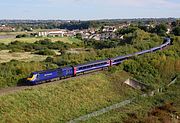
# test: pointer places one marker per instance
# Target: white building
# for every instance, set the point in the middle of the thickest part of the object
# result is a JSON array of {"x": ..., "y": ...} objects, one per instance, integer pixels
[
  {"x": 53, "y": 33},
  {"x": 109, "y": 29}
]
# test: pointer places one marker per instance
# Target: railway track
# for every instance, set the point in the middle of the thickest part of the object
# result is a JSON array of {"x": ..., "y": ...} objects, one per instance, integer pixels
[
  {"x": 23, "y": 87},
  {"x": 10, "y": 90}
]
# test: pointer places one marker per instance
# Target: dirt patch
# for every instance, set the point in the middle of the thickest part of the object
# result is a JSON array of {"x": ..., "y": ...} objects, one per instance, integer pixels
[{"x": 78, "y": 50}]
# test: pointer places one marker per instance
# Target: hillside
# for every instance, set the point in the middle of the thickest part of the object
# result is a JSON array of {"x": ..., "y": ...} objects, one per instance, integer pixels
[{"x": 64, "y": 101}]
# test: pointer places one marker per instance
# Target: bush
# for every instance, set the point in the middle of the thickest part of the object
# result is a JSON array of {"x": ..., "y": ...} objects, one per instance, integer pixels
[
  {"x": 22, "y": 36},
  {"x": 49, "y": 59},
  {"x": 3, "y": 46},
  {"x": 16, "y": 50},
  {"x": 176, "y": 31},
  {"x": 45, "y": 52},
  {"x": 44, "y": 42}
]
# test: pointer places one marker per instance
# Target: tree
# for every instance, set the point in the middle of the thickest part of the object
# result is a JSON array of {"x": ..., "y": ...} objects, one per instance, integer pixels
[
  {"x": 175, "y": 23},
  {"x": 160, "y": 29},
  {"x": 176, "y": 31},
  {"x": 79, "y": 36},
  {"x": 126, "y": 30}
]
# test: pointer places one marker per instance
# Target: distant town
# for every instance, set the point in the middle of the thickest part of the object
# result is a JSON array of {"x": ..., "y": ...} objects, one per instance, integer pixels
[{"x": 81, "y": 28}]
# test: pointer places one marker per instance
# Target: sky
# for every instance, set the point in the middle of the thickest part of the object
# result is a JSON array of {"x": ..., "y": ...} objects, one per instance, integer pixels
[{"x": 88, "y": 9}]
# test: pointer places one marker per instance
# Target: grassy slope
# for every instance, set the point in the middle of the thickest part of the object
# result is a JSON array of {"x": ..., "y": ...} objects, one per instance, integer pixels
[
  {"x": 139, "y": 110},
  {"x": 65, "y": 101},
  {"x": 31, "y": 40}
]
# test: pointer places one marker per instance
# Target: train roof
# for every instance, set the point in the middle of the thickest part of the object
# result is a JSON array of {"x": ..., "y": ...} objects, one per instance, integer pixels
[
  {"x": 50, "y": 70},
  {"x": 91, "y": 63},
  {"x": 155, "y": 48},
  {"x": 121, "y": 57}
]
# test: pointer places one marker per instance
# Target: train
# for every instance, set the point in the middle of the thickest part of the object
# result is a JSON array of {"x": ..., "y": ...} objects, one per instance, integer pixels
[{"x": 39, "y": 77}]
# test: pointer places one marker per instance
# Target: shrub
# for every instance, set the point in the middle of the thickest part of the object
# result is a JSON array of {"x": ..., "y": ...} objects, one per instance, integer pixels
[
  {"x": 16, "y": 50},
  {"x": 45, "y": 52},
  {"x": 22, "y": 36}
]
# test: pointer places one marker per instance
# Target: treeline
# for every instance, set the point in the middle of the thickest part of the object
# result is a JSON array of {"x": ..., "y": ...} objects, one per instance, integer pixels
[
  {"x": 160, "y": 29},
  {"x": 133, "y": 42},
  {"x": 157, "y": 68},
  {"x": 138, "y": 38},
  {"x": 72, "y": 25},
  {"x": 132, "y": 36},
  {"x": 41, "y": 45}
]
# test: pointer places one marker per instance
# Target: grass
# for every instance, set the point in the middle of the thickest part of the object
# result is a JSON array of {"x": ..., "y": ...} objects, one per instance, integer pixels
[
  {"x": 5, "y": 56},
  {"x": 140, "y": 110},
  {"x": 34, "y": 39},
  {"x": 65, "y": 101},
  {"x": 11, "y": 33}
]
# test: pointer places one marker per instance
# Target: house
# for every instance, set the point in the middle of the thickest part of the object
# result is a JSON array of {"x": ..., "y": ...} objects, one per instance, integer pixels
[
  {"x": 168, "y": 30},
  {"x": 6, "y": 28},
  {"x": 86, "y": 35},
  {"x": 97, "y": 37},
  {"x": 125, "y": 25},
  {"x": 70, "y": 33},
  {"x": 107, "y": 35},
  {"x": 109, "y": 29}
]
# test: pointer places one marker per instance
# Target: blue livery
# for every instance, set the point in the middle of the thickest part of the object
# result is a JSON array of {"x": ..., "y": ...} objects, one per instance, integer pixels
[
  {"x": 47, "y": 75},
  {"x": 92, "y": 66}
]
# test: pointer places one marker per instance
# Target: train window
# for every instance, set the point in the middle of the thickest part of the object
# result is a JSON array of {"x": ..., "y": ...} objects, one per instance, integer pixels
[{"x": 99, "y": 64}]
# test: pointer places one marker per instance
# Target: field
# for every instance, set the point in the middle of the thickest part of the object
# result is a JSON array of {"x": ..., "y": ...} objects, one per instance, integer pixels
[
  {"x": 5, "y": 56},
  {"x": 31, "y": 40},
  {"x": 11, "y": 33},
  {"x": 62, "y": 102}
]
